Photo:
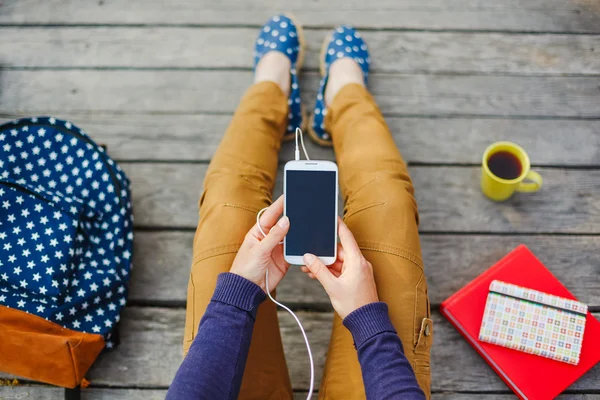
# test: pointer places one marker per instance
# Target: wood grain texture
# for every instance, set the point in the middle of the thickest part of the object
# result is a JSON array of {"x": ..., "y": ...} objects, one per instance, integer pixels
[
  {"x": 176, "y": 47},
  {"x": 421, "y": 140},
  {"x": 460, "y": 396},
  {"x": 449, "y": 199},
  {"x": 473, "y": 396},
  {"x": 530, "y": 15},
  {"x": 39, "y": 392},
  {"x": 217, "y": 91},
  {"x": 151, "y": 348},
  {"x": 162, "y": 263},
  {"x": 150, "y": 354},
  {"x": 158, "y": 81},
  {"x": 52, "y": 393}
]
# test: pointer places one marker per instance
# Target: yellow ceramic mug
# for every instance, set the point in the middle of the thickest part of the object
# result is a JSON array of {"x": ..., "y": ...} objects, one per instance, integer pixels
[{"x": 504, "y": 168}]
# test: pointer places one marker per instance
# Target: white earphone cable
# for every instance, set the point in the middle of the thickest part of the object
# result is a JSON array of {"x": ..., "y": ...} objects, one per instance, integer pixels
[
  {"x": 258, "y": 215},
  {"x": 297, "y": 151},
  {"x": 310, "y": 357}
]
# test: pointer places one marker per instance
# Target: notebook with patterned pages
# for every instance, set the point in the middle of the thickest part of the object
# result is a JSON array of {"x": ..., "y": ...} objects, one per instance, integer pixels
[
  {"x": 534, "y": 322},
  {"x": 528, "y": 375}
]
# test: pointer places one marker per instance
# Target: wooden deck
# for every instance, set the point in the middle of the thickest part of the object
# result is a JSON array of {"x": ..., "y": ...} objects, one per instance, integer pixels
[{"x": 157, "y": 82}]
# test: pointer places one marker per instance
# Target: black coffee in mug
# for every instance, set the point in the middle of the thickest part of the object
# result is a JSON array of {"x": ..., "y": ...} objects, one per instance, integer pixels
[{"x": 505, "y": 165}]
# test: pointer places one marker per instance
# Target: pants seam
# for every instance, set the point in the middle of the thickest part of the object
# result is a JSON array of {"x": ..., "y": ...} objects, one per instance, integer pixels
[
  {"x": 358, "y": 189},
  {"x": 379, "y": 203},
  {"x": 251, "y": 209},
  {"x": 393, "y": 250},
  {"x": 415, "y": 334},
  {"x": 216, "y": 251},
  {"x": 193, "y": 314}
]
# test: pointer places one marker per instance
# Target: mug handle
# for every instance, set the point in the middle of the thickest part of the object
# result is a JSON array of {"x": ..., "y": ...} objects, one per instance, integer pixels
[{"x": 534, "y": 185}]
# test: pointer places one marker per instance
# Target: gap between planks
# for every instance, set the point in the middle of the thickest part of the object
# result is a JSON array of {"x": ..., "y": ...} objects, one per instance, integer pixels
[
  {"x": 529, "y": 15},
  {"x": 231, "y": 49}
]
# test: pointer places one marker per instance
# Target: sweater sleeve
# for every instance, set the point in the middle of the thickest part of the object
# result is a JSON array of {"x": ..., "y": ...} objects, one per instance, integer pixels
[
  {"x": 214, "y": 365},
  {"x": 387, "y": 374}
]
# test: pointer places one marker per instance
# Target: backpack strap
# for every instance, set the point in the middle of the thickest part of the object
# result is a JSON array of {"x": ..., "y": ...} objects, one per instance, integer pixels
[{"x": 73, "y": 394}]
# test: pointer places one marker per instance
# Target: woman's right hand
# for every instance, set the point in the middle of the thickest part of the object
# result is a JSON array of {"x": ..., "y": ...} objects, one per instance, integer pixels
[{"x": 349, "y": 281}]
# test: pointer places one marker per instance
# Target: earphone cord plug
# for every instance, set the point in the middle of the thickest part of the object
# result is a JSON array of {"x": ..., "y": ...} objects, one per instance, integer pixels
[{"x": 297, "y": 150}]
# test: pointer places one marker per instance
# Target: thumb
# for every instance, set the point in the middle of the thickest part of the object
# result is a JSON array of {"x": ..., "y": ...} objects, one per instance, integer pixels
[
  {"x": 275, "y": 235},
  {"x": 319, "y": 270}
]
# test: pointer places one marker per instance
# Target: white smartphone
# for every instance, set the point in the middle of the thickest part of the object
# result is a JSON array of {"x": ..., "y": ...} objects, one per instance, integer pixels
[{"x": 311, "y": 203}]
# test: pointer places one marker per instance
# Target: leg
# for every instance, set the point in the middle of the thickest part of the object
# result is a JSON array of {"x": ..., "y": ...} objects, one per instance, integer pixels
[
  {"x": 381, "y": 211},
  {"x": 238, "y": 183}
]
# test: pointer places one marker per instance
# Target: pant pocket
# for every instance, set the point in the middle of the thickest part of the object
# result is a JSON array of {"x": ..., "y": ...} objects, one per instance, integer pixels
[{"x": 425, "y": 338}]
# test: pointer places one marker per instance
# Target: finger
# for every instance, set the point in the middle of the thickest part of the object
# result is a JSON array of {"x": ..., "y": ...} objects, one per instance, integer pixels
[
  {"x": 279, "y": 259},
  {"x": 347, "y": 239},
  {"x": 340, "y": 253},
  {"x": 268, "y": 218},
  {"x": 275, "y": 235},
  {"x": 336, "y": 266},
  {"x": 271, "y": 214},
  {"x": 318, "y": 270}
]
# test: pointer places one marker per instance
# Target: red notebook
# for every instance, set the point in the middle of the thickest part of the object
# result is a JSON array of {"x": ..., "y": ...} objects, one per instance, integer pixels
[{"x": 528, "y": 375}]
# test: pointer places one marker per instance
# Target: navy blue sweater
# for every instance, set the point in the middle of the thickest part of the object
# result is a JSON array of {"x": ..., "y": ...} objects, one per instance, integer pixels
[{"x": 214, "y": 366}]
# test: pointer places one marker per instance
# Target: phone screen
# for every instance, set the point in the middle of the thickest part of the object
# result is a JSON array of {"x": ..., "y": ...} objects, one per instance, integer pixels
[{"x": 310, "y": 206}]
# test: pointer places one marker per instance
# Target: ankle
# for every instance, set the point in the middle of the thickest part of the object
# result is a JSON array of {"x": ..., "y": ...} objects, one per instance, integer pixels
[
  {"x": 341, "y": 73},
  {"x": 274, "y": 67}
]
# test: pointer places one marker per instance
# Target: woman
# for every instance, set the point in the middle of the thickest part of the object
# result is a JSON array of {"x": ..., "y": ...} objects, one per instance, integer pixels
[{"x": 382, "y": 333}]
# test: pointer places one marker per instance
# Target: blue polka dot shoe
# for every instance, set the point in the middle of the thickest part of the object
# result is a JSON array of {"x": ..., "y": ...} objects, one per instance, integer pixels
[
  {"x": 343, "y": 42},
  {"x": 282, "y": 34}
]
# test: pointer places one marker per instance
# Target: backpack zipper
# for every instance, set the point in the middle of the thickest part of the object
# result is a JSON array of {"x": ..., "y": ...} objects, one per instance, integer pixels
[
  {"x": 78, "y": 135},
  {"x": 24, "y": 190}
]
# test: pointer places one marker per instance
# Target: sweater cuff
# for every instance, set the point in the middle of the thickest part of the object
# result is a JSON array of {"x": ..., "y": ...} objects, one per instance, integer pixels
[
  {"x": 239, "y": 292},
  {"x": 368, "y": 321}
]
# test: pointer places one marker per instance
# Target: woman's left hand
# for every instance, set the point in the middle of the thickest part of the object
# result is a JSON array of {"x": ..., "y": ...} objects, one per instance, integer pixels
[{"x": 259, "y": 254}]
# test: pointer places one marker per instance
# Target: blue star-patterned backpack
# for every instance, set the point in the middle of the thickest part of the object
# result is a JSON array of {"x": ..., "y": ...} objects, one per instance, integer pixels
[{"x": 66, "y": 234}]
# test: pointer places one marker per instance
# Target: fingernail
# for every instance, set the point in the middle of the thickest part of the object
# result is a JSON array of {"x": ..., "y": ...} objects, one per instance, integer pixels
[
  {"x": 284, "y": 222},
  {"x": 309, "y": 258}
]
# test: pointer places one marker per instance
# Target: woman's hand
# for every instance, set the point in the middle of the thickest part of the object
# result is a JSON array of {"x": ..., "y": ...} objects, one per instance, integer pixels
[
  {"x": 349, "y": 280},
  {"x": 259, "y": 254}
]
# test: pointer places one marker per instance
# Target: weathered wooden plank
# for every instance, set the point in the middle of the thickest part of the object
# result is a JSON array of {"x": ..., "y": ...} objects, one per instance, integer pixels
[
  {"x": 421, "y": 140},
  {"x": 449, "y": 199},
  {"x": 192, "y": 91},
  {"x": 52, "y": 393},
  {"x": 473, "y": 396},
  {"x": 530, "y": 15},
  {"x": 168, "y": 47},
  {"x": 151, "y": 348},
  {"x": 150, "y": 354},
  {"x": 458, "y": 396},
  {"x": 162, "y": 262}
]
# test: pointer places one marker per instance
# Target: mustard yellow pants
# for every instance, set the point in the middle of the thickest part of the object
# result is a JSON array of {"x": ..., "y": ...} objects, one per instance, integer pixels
[{"x": 380, "y": 210}]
